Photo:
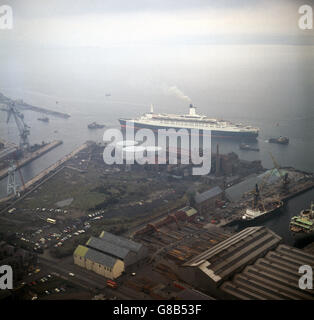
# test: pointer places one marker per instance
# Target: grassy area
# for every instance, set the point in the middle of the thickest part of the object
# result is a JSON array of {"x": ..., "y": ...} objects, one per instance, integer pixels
[
  {"x": 67, "y": 184},
  {"x": 92, "y": 189}
]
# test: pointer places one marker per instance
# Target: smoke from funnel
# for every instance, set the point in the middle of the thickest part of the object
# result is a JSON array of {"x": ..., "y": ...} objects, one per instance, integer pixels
[{"x": 178, "y": 93}]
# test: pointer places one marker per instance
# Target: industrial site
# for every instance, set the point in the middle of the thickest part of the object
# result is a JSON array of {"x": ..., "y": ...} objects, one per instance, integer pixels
[
  {"x": 82, "y": 229},
  {"x": 156, "y": 157}
]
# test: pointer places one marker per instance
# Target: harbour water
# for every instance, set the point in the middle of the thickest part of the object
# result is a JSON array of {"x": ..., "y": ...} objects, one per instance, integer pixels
[{"x": 265, "y": 86}]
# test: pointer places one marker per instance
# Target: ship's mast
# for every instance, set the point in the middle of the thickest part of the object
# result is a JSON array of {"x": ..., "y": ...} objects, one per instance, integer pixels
[{"x": 256, "y": 197}]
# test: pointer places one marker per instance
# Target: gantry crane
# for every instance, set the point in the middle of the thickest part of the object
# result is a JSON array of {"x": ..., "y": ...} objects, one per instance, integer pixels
[
  {"x": 284, "y": 177},
  {"x": 24, "y": 132},
  {"x": 23, "y": 128}
]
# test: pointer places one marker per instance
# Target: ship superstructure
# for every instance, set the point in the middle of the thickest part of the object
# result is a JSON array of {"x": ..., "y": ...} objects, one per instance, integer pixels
[
  {"x": 261, "y": 209},
  {"x": 218, "y": 128}
]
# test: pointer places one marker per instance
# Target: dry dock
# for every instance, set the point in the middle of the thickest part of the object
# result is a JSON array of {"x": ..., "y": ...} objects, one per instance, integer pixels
[
  {"x": 44, "y": 175},
  {"x": 32, "y": 156}
]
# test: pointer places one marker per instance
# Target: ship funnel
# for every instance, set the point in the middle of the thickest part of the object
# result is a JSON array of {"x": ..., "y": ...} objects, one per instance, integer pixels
[{"x": 192, "y": 110}]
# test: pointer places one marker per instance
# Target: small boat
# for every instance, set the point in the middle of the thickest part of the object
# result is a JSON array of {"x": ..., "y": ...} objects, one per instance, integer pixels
[
  {"x": 247, "y": 147},
  {"x": 108, "y": 94},
  {"x": 43, "y": 119},
  {"x": 280, "y": 140},
  {"x": 95, "y": 125}
]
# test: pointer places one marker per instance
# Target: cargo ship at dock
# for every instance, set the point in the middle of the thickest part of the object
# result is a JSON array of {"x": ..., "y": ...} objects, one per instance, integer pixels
[
  {"x": 261, "y": 209},
  {"x": 205, "y": 125},
  {"x": 302, "y": 226},
  {"x": 261, "y": 213}
]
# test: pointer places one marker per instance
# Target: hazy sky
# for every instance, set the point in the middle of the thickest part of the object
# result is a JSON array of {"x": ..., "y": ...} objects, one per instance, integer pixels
[{"x": 103, "y": 23}]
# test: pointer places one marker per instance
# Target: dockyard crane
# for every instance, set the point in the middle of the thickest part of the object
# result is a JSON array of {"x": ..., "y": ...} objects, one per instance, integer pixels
[
  {"x": 260, "y": 186},
  {"x": 284, "y": 177},
  {"x": 257, "y": 191},
  {"x": 12, "y": 186},
  {"x": 23, "y": 128}
]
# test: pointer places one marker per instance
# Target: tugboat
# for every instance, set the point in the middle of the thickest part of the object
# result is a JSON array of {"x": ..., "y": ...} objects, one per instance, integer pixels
[
  {"x": 247, "y": 147},
  {"x": 43, "y": 119},
  {"x": 95, "y": 125},
  {"x": 302, "y": 226},
  {"x": 261, "y": 210},
  {"x": 280, "y": 140}
]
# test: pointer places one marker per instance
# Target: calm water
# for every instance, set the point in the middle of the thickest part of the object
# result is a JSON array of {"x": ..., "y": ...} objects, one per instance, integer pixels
[{"x": 266, "y": 86}]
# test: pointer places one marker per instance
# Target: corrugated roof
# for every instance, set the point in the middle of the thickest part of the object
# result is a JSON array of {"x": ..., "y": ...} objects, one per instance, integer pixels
[
  {"x": 211, "y": 193},
  {"x": 275, "y": 276},
  {"x": 120, "y": 241},
  {"x": 231, "y": 255},
  {"x": 100, "y": 258},
  {"x": 107, "y": 247}
]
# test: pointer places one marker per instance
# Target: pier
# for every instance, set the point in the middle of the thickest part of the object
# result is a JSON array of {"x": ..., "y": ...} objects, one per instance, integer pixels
[
  {"x": 26, "y": 106},
  {"x": 20, "y": 104}
]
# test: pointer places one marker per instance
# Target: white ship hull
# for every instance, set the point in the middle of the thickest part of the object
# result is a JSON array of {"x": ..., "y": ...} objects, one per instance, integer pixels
[{"x": 215, "y": 132}]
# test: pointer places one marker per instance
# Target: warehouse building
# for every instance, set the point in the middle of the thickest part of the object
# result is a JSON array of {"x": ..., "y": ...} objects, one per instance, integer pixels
[
  {"x": 207, "y": 200},
  {"x": 211, "y": 268},
  {"x": 100, "y": 263},
  {"x": 274, "y": 277},
  {"x": 186, "y": 213},
  {"x": 109, "y": 255},
  {"x": 252, "y": 264},
  {"x": 136, "y": 251}
]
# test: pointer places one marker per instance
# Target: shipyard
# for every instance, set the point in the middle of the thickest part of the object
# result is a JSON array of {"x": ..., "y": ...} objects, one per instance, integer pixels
[
  {"x": 163, "y": 208},
  {"x": 156, "y": 157}
]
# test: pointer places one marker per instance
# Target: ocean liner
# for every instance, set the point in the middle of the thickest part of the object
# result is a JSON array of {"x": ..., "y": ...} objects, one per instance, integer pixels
[{"x": 218, "y": 128}]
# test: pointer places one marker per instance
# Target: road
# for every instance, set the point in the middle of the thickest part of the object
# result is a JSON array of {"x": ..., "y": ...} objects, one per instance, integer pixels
[{"x": 85, "y": 279}]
